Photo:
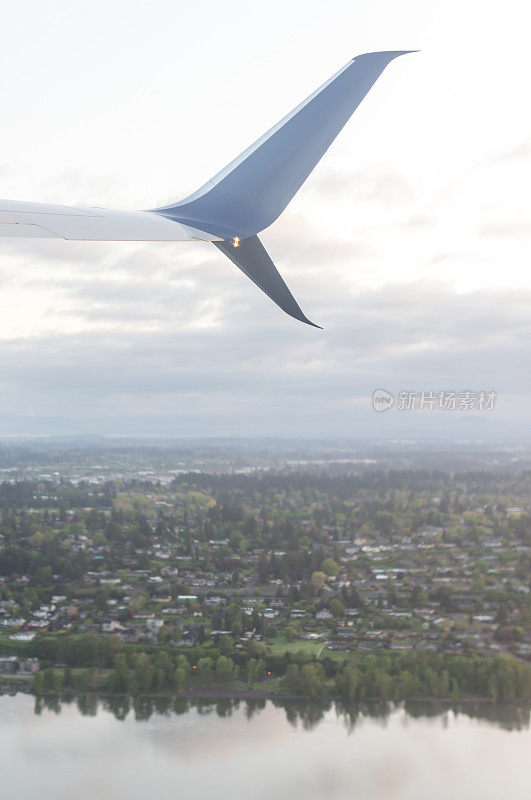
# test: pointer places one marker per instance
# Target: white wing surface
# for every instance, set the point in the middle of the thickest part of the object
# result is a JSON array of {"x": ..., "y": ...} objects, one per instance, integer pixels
[{"x": 41, "y": 221}]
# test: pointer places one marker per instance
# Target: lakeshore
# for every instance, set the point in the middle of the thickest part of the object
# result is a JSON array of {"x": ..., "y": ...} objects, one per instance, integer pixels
[{"x": 240, "y": 693}]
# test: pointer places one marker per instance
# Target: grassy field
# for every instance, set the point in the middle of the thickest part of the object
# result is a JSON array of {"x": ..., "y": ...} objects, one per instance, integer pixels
[
  {"x": 281, "y": 645},
  {"x": 317, "y": 648},
  {"x": 10, "y": 647}
]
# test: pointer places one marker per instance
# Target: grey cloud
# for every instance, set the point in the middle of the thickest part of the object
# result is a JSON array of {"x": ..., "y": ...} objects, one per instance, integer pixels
[{"x": 420, "y": 336}]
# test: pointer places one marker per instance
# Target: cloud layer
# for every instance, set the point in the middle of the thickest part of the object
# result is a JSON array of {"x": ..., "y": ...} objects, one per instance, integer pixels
[{"x": 156, "y": 344}]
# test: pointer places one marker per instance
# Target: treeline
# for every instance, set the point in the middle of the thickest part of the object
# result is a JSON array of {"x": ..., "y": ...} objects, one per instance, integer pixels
[
  {"x": 393, "y": 676},
  {"x": 499, "y": 679},
  {"x": 346, "y": 485},
  {"x": 51, "y": 494},
  {"x": 144, "y": 674},
  {"x": 231, "y": 487},
  {"x": 141, "y": 673}
]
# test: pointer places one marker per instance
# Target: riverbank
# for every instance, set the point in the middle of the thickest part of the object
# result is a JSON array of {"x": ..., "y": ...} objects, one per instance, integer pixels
[{"x": 219, "y": 692}]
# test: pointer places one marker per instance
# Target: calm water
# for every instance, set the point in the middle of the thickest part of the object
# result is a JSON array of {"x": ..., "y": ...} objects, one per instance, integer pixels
[{"x": 77, "y": 751}]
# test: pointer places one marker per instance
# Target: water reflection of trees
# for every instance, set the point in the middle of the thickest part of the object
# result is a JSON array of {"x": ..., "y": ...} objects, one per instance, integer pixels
[
  {"x": 307, "y": 713},
  {"x": 304, "y": 713},
  {"x": 508, "y": 717}
]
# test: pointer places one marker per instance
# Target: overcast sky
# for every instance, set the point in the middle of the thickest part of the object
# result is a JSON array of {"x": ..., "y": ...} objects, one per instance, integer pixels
[{"x": 410, "y": 243}]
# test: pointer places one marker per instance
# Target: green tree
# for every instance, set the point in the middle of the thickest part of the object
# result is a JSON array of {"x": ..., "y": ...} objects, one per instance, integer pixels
[
  {"x": 205, "y": 667},
  {"x": 37, "y": 683},
  {"x": 292, "y": 677},
  {"x": 318, "y": 579},
  {"x": 336, "y": 607},
  {"x": 181, "y": 679},
  {"x": 251, "y": 672},
  {"x": 86, "y": 652},
  {"x": 330, "y": 567},
  {"x": 224, "y": 668},
  {"x": 164, "y": 667},
  {"x": 290, "y": 633},
  {"x": 82, "y": 680},
  {"x": 348, "y": 682},
  {"x": 143, "y": 673},
  {"x": 51, "y": 680},
  {"x": 312, "y": 680},
  {"x": 119, "y": 680}
]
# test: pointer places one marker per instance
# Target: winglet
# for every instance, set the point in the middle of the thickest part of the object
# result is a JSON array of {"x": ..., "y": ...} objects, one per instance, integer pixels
[{"x": 253, "y": 259}]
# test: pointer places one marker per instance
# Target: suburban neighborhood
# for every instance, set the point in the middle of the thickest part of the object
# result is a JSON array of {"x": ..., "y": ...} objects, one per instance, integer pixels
[{"x": 279, "y": 563}]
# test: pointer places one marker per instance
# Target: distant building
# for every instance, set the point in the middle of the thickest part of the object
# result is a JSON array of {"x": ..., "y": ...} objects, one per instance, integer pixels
[
  {"x": 15, "y": 664},
  {"x": 8, "y": 663}
]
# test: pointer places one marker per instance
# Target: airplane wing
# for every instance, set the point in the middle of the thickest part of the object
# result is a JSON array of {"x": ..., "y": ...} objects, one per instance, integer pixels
[
  {"x": 42, "y": 221},
  {"x": 237, "y": 203},
  {"x": 253, "y": 190}
]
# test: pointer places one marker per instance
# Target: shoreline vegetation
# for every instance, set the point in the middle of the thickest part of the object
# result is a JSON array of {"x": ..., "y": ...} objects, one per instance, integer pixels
[
  {"x": 216, "y": 692},
  {"x": 87, "y": 664}
]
